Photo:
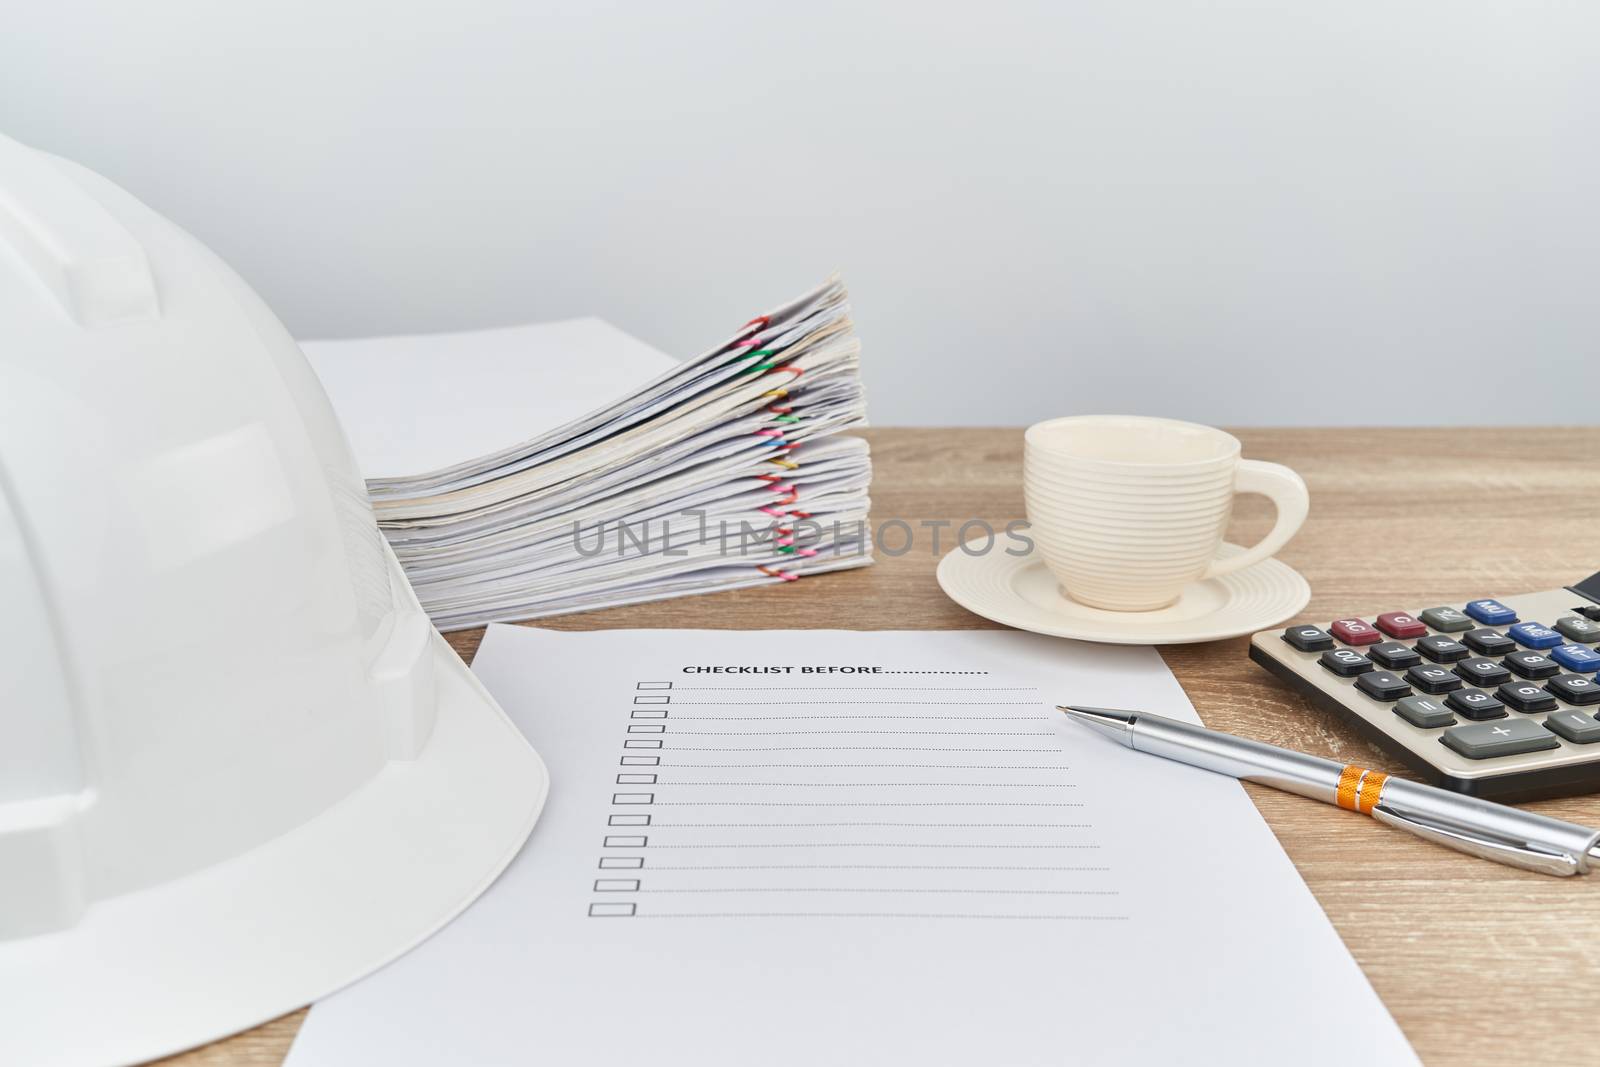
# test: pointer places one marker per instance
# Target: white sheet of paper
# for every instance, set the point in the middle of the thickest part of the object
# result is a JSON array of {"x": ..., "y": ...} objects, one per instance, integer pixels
[
  {"x": 912, "y": 863},
  {"x": 422, "y": 402}
]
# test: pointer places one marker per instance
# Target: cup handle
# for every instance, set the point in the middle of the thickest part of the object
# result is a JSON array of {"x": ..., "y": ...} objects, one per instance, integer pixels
[{"x": 1288, "y": 493}]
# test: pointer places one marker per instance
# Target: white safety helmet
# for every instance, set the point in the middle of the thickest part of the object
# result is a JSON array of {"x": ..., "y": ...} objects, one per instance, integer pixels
[{"x": 238, "y": 768}]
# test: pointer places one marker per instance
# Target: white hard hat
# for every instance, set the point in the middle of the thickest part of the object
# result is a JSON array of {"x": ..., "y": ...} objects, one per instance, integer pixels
[{"x": 238, "y": 768}]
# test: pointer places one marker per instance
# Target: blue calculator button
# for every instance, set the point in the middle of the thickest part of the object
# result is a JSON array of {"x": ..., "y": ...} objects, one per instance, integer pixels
[
  {"x": 1491, "y": 612},
  {"x": 1576, "y": 658},
  {"x": 1535, "y": 635}
]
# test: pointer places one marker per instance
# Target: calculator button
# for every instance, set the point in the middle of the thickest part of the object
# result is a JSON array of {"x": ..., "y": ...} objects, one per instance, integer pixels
[
  {"x": 1575, "y": 628},
  {"x": 1425, "y": 712},
  {"x": 1355, "y": 632},
  {"x": 1308, "y": 638},
  {"x": 1394, "y": 655},
  {"x": 1575, "y": 726},
  {"x": 1484, "y": 740},
  {"x": 1399, "y": 624},
  {"x": 1381, "y": 685},
  {"x": 1576, "y": 658},
  {"x": 1525, "y": 696},
  {"x": 1480, "y": 671},
  {"x": 1345, "y": 662},
  {"x": 1442, "y": 649},
  {"x": 1431, "y": 679},
  {"x": 1488, "y": 642},
  {"x": 1531, "y": 664},
  {"x": 1534, "y": 635},
  {"x": 1575, "y": 689},
  {"x": 1491, "y": 612},
  {"x": 1476, "y": 704},
  {"x": 1447, "y": 619}
]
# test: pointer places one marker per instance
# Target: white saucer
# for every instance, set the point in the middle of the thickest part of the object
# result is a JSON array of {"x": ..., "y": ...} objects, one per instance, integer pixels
[{"x": 1020, "y": 591}]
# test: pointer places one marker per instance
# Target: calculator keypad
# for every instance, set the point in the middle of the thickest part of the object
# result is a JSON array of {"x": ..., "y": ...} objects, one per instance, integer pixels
[{"x": 1473, "y": 678}]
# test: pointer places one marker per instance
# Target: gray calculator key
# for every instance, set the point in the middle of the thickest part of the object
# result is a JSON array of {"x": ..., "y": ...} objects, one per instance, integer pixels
[
  {"x": 1394, "y": 655},
  {"x": 1508, "y": 737},
  {"x": 1345, "y": 662},
  {"x": 1525, "y": 696},
  {"x": 1447, "y": 620},
  {"x": 1431, "y": 679},
  {"x": 1382, "y": 685},
  {"x": 1575, "y": 688},
  {"x": 1575, "y": 726},
  {"x": 1426, "y": 712},
  {"x": 1574, "y": 628}
]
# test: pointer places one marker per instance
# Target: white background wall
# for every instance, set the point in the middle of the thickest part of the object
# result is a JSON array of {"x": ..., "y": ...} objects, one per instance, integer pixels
[{"x": 1247, "y": 213}]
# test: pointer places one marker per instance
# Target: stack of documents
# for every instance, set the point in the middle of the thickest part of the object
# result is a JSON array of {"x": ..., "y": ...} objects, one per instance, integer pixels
[{"x": 716, "y": 473}]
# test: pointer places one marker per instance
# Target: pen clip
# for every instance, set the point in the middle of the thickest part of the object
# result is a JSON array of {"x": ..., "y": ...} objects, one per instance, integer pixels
[{"x": 1515, "y": 854}]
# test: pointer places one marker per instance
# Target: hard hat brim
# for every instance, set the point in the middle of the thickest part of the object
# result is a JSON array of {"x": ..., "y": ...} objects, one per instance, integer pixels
[{"x": 187, "y": 962}]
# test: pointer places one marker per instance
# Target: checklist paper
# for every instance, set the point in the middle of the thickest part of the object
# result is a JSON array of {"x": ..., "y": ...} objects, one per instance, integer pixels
[{"x": 804, "y": 847}]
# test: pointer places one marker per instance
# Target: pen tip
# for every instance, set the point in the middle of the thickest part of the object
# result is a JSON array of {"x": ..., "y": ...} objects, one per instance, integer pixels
[{"x": 1118, "y": 724}]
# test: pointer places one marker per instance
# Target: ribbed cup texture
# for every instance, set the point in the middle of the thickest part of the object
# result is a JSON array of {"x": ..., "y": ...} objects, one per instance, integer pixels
[{"x": 1126, "y": 537}]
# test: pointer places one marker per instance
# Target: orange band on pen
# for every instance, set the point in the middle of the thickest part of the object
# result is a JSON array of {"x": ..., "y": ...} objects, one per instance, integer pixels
[
  {"x": 1349, "y": 786},
  {"x": 1371, "y": 788},
  {"x": 1359, "y": 788}
]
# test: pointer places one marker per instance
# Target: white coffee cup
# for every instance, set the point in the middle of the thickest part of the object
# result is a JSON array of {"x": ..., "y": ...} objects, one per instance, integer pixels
[{"x": 1127, "y": 510}]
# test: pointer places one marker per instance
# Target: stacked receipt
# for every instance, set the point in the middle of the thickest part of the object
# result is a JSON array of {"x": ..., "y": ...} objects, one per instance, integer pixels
[{"x": 720, "y": 472}]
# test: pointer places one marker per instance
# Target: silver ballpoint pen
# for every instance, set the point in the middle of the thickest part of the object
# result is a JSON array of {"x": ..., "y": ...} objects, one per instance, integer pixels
[{"x": 1469, "y": 824}]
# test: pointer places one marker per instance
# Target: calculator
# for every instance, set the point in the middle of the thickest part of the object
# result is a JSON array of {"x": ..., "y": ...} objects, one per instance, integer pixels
[{"x": 1497, "y": 697}]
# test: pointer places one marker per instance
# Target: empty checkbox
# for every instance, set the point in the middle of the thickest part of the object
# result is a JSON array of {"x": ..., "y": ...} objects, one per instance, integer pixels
[
  {"x": 626, "y": 841},
  {"x": 647, "y": 713},
  {"x": 616, "y": 885},
  {"x": 651, "y": 700},
  {"x": 633, "y": 798},
  {"x": 640, "y": 761},
  {"x": 636, "y": 779},
  {"x": 618, "y": 863},
  {"x": 646, "y": 728},
  {"x": 654, "y": 685},
  {"x": 629, "y": 820},
  {"x": 635, "y": 743},
  {"x": 612, "y": 911}
]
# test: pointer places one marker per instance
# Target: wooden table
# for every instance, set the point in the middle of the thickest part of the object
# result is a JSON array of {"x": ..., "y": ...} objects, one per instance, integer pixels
[{"x": 1479, "y": 963}]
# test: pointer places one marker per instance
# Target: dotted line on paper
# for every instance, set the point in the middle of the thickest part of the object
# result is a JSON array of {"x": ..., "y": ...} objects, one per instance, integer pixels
[
  {"x": 935, "y": 733},
  {"x": 919, "y": 718},
  {"x": 846, "y": 889},
  {"x": 863, "y": 688},
  {"x": 860, "y": 844},
  {"x": 882, "y": 785},
  {"x": 920, "y": 703},
  {"x": 896, "y": 766},
  {"x": 849, "y": 748},
  {"x": 863, "y": 915},
  {"x": 874, "y": 803},
  {"x": 862, "y": 867},
  {"x": 930, "y": 825}
]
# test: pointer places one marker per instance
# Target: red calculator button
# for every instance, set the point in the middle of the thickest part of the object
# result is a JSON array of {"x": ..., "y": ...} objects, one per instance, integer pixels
[
  {"x": 1399, "y": 624},
  {"x": 1355, "y": 632}
]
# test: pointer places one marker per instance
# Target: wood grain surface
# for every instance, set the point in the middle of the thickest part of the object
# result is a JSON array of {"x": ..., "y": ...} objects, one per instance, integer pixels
[{"x": 1479, "y": 963}]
